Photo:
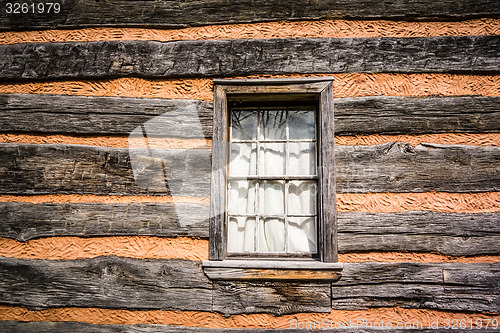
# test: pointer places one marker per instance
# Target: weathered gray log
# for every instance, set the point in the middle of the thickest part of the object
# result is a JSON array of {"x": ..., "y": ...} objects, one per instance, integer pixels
[
  {"x": 209, "y": 58},
  {"x": 407, "y": 115},
  {"x": 106, "y": 282},
  {"x": 413, "y": 285},
  {"x": 176, "y": 14},
  {"x": 112, "y": 282},
  {"x": 24, "y": 221},
  {"x": 275, "y": 297},
  {"x": 445, "y": 233},
  {"x": 394, "y": 167},
  {"x": 326, "y": 326},
  {"x": 105, "y": 115},
  {"x": 33, "y": 169},
  {"x": 184, "y": 118}
]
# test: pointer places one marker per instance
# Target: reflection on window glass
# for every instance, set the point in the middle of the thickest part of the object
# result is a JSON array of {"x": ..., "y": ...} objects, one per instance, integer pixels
[
  {"x": 274, "y": 211},
  {"x": 302, "y": 125},
  {"x": 244, "y": 125},
  {"x": 273, "y": 125}
]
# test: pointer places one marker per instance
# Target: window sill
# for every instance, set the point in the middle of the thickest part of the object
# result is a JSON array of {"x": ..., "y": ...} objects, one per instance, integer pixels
[{"x": 284, "y": 270}]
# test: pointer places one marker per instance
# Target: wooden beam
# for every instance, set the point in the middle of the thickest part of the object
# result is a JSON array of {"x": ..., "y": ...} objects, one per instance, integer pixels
[
  {"x": 125, "y": 283},
  {"x": 278, "y": 298},
  {"x": 105, "y": 282},
  {"x": 412, "y": 285},
  {"x": 177, "y": 14},
  {"x": 60, "y": 114},
  {"x": 104, "y": 115},
  {"x": 112, "y": 282},
  {"x": 394, "y": 167},
  {"x": 416, "y": 115},
  {"x": 445, "y": 233},
  {"x": 24, "y": 221},
  {"x": 32, "y": 169},
  {"x": 212, "y": 58}
]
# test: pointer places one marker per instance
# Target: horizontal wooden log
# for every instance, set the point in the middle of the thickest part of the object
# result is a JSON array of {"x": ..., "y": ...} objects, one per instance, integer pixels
[
  {"x": 112, "y": 282},
  {"x": 105, "y": 115},
  {"x": 106, "y": 282},
  {"x": 189, "y": 118},
  {"x": 24, "y": 221},
  {"x": 212, "y": 58},
  {"x": 176, "y": 14},
  {"x": 38, "y": 169},
  {"x": 445, "y": 233},
  {"x": 407, "y": 115},
  {"x": 272, "y": 297},
  {"x": 326, "y": 326},
  {"x": 393, "y": 167},
  {"x": 368, "y": 285}
]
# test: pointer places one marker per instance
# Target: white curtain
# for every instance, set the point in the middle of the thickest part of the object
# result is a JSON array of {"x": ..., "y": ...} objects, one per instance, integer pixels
[{"x": 272, "y": 159}]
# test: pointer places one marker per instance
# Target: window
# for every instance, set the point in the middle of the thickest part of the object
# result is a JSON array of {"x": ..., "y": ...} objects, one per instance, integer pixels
[{"x": 273, "y": 179}]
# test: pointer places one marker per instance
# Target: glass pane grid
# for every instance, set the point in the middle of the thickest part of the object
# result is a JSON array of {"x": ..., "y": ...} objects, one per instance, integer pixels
[{"x": 272, "y": 130}]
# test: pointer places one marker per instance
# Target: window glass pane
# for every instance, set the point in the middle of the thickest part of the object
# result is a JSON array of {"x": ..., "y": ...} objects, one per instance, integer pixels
[
  {"x": 301, "y": 125},
  {"x": 241, "y": 234},
  {"x": 272, "y": 159},
  {"x": 243, "y": 159},
  {"x": 244, "y": 125},
  {"x": 302, "y": 198},
  {"x": 271, "y": 234},
  {"x": 271, "y": 197},
  {"x": 302, "y": 234},
  {"x": 302, "y": 158},
  {"x": 273, "y": 125},
  {"x": 241, "y": 198}
]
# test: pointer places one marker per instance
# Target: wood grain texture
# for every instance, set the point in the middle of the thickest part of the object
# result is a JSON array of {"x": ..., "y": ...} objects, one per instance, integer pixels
[
  {"x": 228, "y": 58},
  {"x": 46, "y": 113},
  {"x": 393, "y": 167},
  {"x": 108, "y": 282},
  {"x": 104, "y": 115},
  {"x": 24, "y": 221},
  {"x": 80, "y": 169},
  {"x": 176, "y": 14},
  {"x": 63, "y": 327},
  {"x": 278, "y": 298},
  {"x": 406, "y": 115},
  {"x": 411, "y": 285},
  {"x": 112, "y": 282},
  {"x": 445, "y": 233}
]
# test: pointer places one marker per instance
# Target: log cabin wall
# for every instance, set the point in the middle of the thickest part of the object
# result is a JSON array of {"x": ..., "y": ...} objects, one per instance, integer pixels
[{"x": 417, "y": 103}]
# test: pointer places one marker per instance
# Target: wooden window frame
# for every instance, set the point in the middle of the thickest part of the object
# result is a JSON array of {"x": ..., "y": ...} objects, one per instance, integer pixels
[{"x": 265, "y": 90}]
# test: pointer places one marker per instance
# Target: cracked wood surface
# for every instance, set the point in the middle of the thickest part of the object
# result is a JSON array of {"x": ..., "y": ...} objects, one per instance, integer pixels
[
  {"x": 229, "y": 58},
  {"x": 125, "y": 283},
  {"x": 445, "y": 233},
  {"x": 28, "y": 169},
  {"x": 353, "y": 115}
]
